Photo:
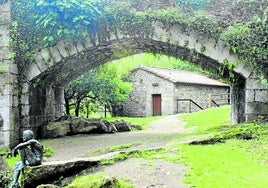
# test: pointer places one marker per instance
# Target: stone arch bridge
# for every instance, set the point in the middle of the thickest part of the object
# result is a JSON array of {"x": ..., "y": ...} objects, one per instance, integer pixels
[{"x": 39, "y": 99}]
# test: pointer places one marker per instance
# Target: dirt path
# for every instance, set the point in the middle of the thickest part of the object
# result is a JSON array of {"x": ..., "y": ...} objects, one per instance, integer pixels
[{"x": 142, "y": 173}]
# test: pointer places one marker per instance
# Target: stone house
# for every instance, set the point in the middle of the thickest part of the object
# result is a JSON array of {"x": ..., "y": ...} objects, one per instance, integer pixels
[{"x": 161, "y": 91}]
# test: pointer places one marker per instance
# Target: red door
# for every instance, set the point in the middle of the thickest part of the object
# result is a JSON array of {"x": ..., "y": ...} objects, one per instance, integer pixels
[{"x": 157, "y": 110}]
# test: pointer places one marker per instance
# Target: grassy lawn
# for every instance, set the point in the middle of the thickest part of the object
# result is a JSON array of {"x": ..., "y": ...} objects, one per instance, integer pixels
[
  {"x": 234, "y": 163},
  {"x": 208, "y": 119}
]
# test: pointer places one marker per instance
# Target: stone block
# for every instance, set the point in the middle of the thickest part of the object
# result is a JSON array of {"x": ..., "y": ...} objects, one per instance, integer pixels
[
  {"x": 88, "y": 43},
  {"x": 34, "y": 71},
  {"x": 250, "y": 95},
  {"x": 47, "y": 59},
  {"x": 62, "y": 48},
  {"x": 71, "y": 48},
  {"x": 55, "y": 54},
  {"x": 254, "y": 83},
  {"x": 261, "y": 95},
  {"x": 79, "y": 47}
]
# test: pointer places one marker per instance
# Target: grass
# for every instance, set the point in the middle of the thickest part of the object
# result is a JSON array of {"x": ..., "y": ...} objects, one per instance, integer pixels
[
  {"x": 235, "y": 163},
  {"x": 210, "y": 118},
  {"x": 222, "y": 165}
]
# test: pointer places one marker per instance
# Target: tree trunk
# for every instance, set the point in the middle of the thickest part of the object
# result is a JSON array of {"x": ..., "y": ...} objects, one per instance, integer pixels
[
  {"x": 77, "y": 107},
  {"x": 67, "y": 106}
]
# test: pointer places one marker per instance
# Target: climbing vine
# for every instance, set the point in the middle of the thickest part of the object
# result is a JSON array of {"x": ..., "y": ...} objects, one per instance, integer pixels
[
  {"x": 250, "y": 42},
  {"x": 45, "y": 22}
]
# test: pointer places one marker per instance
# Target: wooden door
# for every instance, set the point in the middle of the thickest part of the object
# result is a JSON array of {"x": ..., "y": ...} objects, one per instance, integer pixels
[{"x": 157, "y": 108}]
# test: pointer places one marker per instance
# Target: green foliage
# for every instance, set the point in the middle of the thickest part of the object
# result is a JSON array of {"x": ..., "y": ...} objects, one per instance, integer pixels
[
  {"x": 2, "y": 2},
  {"x": 250, "y": 42},
  {"x": 50, "y": 21},
  {"x": 102, "y": 86},
  {"x": 55, "y": 20},
  {"x": 48, "y": 151},
  {"x": 119, "y": 157},
  {"x": 193, "y": 4},
  {"x": 235, "y": 35},
  {"x": 122, "y": 16},
  {"x": 170, "y": 16},
  {"x": 204, "y": 24}
]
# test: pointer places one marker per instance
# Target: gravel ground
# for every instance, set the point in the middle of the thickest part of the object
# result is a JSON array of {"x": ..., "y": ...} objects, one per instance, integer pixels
[{"x": 141, "y": 172}]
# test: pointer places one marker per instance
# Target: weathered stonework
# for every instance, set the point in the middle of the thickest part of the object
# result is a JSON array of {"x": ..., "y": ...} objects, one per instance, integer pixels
[
  {"x": 8, "y": 80},
  {"x": 174, "y": 96}
]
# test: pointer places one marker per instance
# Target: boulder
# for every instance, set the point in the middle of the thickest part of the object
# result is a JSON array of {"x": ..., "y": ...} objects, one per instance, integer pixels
[
  {"x": 69, "y": 125},
  {"x": 83, "y": 126},
  {"x": 56, "y": 129},
  {"x": 121, "y": 125},
  {"x": 110, "y": 126}
]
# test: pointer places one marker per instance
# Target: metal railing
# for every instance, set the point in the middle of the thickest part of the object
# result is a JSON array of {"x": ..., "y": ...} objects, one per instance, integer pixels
[
  {"x": 191, "y": 102},
  {"x": 220, "y": 99}
]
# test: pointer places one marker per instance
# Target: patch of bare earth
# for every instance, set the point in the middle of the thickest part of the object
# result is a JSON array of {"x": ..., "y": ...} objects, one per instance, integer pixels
[
  {"x": 141, "y": 172},
  {"x": 147, "y": 173}
]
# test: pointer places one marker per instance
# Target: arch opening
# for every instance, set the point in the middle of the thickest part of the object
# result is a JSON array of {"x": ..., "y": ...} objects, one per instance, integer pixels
[{"x": 46, "y": 90}]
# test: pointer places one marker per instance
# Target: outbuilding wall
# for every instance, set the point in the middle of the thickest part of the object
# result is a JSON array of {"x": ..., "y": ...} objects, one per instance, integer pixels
[
  {"x": 200, "y": 94},
  {"x": 145, "y": 85},
  {"x": 175, "y": 97}
]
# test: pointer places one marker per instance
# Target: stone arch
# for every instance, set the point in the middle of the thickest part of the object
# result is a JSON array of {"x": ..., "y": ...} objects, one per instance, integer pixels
[{"x": 56, "y": 66}]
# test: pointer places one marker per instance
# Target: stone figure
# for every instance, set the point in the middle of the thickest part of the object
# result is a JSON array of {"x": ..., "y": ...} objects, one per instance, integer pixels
[{"x": 31, "y": 153}]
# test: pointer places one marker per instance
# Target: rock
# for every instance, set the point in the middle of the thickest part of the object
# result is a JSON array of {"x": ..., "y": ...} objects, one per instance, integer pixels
[
  {"x": 36, "y": 175},
  {"x": 56, "y": 129},
  {"x": 83, "y": 126},
  {"x": 121, "y": 125},
  {"x": 110, "y": 126},
  {"x": 69, "y": 125}
]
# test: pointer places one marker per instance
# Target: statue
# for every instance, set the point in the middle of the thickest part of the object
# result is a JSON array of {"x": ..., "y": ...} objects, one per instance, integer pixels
[{"x": 31, "y": 153}]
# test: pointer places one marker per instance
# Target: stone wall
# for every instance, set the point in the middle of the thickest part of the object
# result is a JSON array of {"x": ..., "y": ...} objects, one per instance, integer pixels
[
  {"x": 256, "y": 99},
  {"x": 8, "y": 78},
  {"x": 174, "y": 97},
  {"x": 200, "y": 94},
  {"x": 140, "y": 100}
]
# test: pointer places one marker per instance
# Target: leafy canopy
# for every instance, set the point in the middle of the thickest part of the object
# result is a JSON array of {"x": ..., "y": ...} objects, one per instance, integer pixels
[{"x": 44, "y": 22}]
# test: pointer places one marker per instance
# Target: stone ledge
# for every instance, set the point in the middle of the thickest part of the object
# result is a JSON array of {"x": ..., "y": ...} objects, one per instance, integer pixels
[{"x": 49, "y": 171}]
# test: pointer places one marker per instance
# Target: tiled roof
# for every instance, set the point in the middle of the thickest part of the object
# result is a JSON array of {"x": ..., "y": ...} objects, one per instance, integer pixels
[{"x": 181, "y": 76}]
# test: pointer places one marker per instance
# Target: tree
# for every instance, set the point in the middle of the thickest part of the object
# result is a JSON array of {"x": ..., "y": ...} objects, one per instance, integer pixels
[{"x": 98, "y": 86}]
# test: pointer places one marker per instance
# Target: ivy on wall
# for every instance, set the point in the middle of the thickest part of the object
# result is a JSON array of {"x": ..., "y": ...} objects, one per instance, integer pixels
[
  {"x": 42, "y": 23},
  {"x": 250, "y": 42}
]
